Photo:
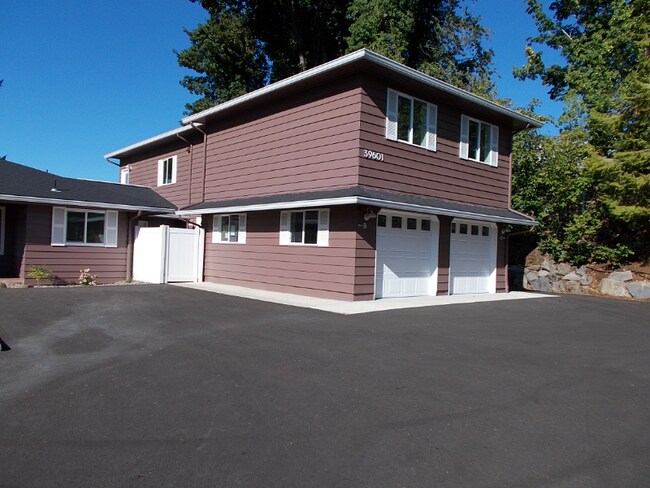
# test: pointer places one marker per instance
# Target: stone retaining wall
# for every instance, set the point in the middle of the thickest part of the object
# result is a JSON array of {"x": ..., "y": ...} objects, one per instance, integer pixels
[{"x": 550, "y": 276}]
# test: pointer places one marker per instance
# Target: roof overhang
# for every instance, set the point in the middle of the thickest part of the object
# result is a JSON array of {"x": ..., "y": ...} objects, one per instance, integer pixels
[
  {"x": 165, "y": 136},
  {"x": 361, "y": 200},
  {"x": 82, "y": 203},
  {"x": 362, "y": 55}
]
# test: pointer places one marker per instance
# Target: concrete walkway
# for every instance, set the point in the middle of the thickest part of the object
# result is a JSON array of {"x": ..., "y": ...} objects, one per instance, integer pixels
[{"x": 351, "y": 308}]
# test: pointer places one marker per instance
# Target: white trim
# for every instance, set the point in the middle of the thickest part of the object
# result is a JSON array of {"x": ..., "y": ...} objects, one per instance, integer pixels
[
  {"x": 159, "y": 137},
  {"x": 124, "y": 175},
  {"x": 430, "y": 123},
  {"x": 103, "y": 205},
  {"x": 322, "y": 233},
  {"x": 3, "y": 213},
  {"x": 368, "y": 55},
  {"x": 493, "y": 157},
  {"x": 216, "y": 228},
  {"x": 361, "y": 54},
  {"x": 376, "y": 202},
  {"x": 161, "y": 170}
]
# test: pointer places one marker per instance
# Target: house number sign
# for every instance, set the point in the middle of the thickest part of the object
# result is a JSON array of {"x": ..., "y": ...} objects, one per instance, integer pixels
[{"x": 377, "y": 156}]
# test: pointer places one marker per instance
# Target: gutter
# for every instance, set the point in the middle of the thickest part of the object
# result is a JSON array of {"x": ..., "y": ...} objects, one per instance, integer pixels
[
  {"x": 81, "y": 203},
  {"x": 355, "y": 200}
]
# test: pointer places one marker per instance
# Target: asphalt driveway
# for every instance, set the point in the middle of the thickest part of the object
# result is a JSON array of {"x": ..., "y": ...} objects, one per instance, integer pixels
[{"x": 158, "y": 386}]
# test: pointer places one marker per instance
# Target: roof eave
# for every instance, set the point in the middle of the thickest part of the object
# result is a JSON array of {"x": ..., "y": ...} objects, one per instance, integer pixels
[
  {"x": 358, "y": 200},
  {"x": 83, "y": 203}
]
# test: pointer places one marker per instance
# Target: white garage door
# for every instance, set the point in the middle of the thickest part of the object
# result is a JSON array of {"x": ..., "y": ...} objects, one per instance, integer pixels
[
  {"x": 472, "y": 260},
  {"x": 407, "y": 255}
]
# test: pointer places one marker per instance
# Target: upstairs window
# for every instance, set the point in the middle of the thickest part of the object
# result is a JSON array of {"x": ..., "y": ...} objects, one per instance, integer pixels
[
  {"x": 229, "y": 228},
  {"x": 411, "y": 120},
  {"x": 124, "y": 176},
  {"x": 305, "y": 227},
  {"x": 479, "y": 141},
  {"x": 167, "y": 171}
]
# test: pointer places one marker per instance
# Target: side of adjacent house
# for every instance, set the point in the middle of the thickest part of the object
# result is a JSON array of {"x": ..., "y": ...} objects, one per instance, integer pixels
[
  {"x": 358, "y": 179},
  {"x": 68, "y": 224}
]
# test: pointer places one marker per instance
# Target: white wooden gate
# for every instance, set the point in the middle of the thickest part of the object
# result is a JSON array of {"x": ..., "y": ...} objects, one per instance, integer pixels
[{"x": 164, "y": 255}]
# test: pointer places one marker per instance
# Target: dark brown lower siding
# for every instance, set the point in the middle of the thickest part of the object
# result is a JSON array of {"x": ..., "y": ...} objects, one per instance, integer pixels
[
  {"x": 108, "y": 263},
  {"x": 443, "y": 254},
  {"x": 502, "y": 270},
  {"x": 337, "y": 271}
]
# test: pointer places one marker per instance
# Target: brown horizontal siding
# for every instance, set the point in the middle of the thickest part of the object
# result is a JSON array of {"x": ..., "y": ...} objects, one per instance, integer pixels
[
  {"x": 297, "y": 148},
  {"x": 307, "y": 270},
  {"x": 65, "y": 262},
  {"x": 145, "y": 172},
  {"x": 439, "y": 174},
  {"x": 444, "y": 245}
]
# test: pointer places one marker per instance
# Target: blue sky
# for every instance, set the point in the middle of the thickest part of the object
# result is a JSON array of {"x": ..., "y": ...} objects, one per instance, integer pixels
[{"x": 83, "y": 78}]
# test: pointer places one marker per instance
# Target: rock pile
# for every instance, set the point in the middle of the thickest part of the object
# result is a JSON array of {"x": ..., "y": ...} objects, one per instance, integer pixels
[{"x": 564, "y": 278}]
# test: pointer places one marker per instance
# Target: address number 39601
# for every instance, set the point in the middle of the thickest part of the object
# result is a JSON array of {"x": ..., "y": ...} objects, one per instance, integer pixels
[{"x": 377, "y": 156}]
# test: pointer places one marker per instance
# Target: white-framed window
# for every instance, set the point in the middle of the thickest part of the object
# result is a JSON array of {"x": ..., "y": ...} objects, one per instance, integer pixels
[
  {"x": 167, "y": 170},
  {"x": 479, "y": 141},
  {"x": 124, "y": 175},
  {"x": 3, "y": 213},
  {"x": 305, "y": 227},
  {"x": 229, "y": 228},
  {"x": 84, "y": 227},
  {"x": 411, "y": 120}
]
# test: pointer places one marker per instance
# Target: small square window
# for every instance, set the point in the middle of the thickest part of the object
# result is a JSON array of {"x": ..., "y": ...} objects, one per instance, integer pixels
[
  {"x": 463, "y": 228},
  {"x": 381, "y": 220},
  {"x": 453, "y": 227},
  {"x": 474, "y": 230},
  {"x": 486, "y": 231},
  {"x": 396, "y": 222},
  {"x": 412, "y": 224},
  {"x": 425, "y": 224}
]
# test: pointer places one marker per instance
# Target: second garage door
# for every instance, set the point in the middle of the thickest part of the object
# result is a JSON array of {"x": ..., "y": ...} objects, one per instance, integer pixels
[
  {"x": 472, "y": 259},
  {"x": 407, "y": 255}
]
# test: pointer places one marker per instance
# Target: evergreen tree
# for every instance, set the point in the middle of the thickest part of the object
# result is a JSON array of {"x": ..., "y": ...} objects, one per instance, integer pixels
[
  {"x": 246, "y": 44},
  {"x": 604, "y": 84}
]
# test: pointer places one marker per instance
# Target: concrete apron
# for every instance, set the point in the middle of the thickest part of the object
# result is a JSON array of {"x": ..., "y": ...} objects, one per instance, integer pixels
[{"x": 351, "y": 308}]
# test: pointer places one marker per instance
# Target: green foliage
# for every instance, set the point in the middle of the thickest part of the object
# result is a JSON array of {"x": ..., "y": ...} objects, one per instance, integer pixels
[
  {"x": 39, "y": 272},
  {"x": 605, "y": 87},
  {"x": 246, "y": 44}
]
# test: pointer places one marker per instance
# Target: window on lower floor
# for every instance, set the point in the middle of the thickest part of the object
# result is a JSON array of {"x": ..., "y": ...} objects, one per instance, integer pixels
[
  {"x": 305, "y": 227},
  {"x": 84, "y": 227},
  {"x": 229, "y": 228}
]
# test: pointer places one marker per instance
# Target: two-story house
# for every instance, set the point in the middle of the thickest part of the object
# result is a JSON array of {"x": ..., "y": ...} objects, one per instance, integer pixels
[{"x": 358, "y": 179}]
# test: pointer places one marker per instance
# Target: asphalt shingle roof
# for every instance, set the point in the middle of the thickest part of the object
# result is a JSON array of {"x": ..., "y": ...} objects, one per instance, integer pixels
[
  {"x": 23, "y": 182},
  {"x": 370, "y": 193}
]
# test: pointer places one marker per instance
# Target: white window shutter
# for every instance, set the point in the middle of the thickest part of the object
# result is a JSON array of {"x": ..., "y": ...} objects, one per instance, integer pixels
[
  {"x": 111, "y": 228},
  {"x": 323, "y": 227},
  {"x": 285, "y": 235},
  {"x": 241, "y": 237},
  {"x": 494, "y": 149},
  {"x": 161, "y": 167},
  {"x": 174, "y": 164},
  {"x": 58, "y": 226},
  {"x": 216, "y": 229},
  {"x": 391, "y": 115},
  {"x": 464, "y": 137},
  {"x": 432, "y": 129}
]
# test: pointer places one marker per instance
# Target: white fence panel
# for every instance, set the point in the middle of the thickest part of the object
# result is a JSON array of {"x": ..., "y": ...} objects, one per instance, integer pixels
[
  {"x": 149, "y": 251},
  {"x": 182, "y": 254}
]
